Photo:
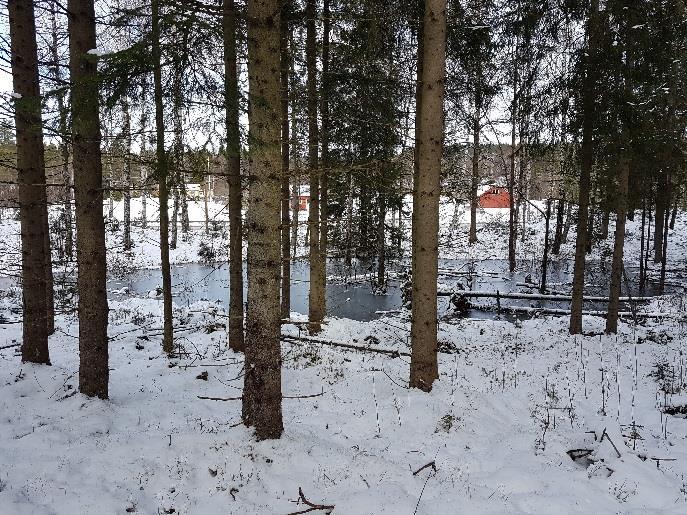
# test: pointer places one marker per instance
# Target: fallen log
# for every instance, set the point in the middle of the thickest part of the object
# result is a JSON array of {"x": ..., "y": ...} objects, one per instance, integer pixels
[
  {"x": 364, "y": 348},
  {"x": 555, "y": 311},
  {"x": 535, "y": 296}
]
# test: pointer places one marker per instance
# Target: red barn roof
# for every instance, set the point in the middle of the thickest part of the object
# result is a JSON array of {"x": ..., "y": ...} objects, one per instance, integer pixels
[{"x": 495, "y": 197}]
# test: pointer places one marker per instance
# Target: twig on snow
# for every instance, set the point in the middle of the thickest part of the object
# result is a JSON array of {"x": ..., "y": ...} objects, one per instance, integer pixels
[
  {"x": 283, "y": 397},
  {"x": 219, "y": 398},
  {"x": 423, "y": 467},
  {"x": 312, "y": 506},
  {"x": 605, "y": 434}
]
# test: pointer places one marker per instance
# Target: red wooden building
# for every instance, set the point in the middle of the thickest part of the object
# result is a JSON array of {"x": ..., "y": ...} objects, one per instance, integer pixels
[
  {"x": 303, "y": 201},
  {"x": 495, "y": 197}
]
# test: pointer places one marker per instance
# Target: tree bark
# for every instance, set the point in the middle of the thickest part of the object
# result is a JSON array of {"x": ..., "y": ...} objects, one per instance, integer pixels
[
  {"x": 143, "y": 170},
  {"x": 31, "y": 181},
  {"x": 545, "y": 259},
  {"x": 162, "y": 172},
  {"x": 568, "y": 222},
  {"x": 233, "y": 163},
  {"x": 381, "y": 236},
  {"x": 295, "y": 186},
  {"x": 560, "y": 219},
  {"x": 513, "y": 212},
  {"x": 285, "y": 166},
  {"x": 88, "y": 188},
  {"x": 316, "y": 297},
  {"x": 474, "y": 185},
  {"x": 618, "y": 245},
  {"x": 664, "y": 255},
  {"x": 348, "y": 258},
  {"x": 177, "y": 151},
  {"x": 424, "y": 365},
  {"x": 586, "y": 163},
  {"x": 661, "y": 208},
  {"x": 127, "y": 174},
  {"x": 590, "y": 227},
  {"x": 418, "y": 123},
  {"x": 647, "y": 246},
  {"x": 262, "y": 386},
  {"x": 62, "y": 127},
  {"x": 324, "y": 161},
  {"x": 205, "y": 185},
  {"x": 641, "y": 247},
  {"x": 673, "y": 214},
  {"x": 605, "y": 220}
]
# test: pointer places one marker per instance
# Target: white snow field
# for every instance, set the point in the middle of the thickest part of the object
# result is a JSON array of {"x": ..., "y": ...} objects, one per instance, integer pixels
[{"x": 492, "y": 437}]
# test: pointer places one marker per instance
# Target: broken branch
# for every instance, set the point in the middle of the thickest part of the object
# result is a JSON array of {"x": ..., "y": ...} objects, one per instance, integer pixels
[{"x": 312, "y": 506}]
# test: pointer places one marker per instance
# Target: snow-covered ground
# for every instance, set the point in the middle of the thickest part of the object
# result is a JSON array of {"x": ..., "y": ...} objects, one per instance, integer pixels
[
  {"x": 510, "y": 402},
  {"x": 512, "y": 399}
]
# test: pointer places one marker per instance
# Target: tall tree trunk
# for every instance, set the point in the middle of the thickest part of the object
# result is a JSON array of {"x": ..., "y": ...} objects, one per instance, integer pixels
[
  {"x": 664, "y": 253},
  {"x": 205, "y": 181},
  {"x": 474, "y": 185},
  {"x": 109, "y": 183},
  {"x": 295, "y": 185},
  {"x": 47, "y": 270},
  {"x": 180, "y": 196},
  {"x": 285, "y": 166},
  {"x": 162, "y": 172},
  {"x": 183, "y": 199},
  {"x": 88, "y": 188},
  {"x": 175, "y": 206},
  {"x": 423, "y": 333},
  {"x": 177, "y": 151},
  {"x": 143, "y": 169},
  {"x": 62, "y": 127},
  {"x": 673, "y": 214},
  {"x": 262, "y": 386},
  {"x": 231, "y": 99},
  {"x": 662, "y": 202},
  {"x": 545, "y": 259},
  {"x": 521, "y": 190},
  {"x": 324, "y": 162},
  {"x": 316, "y": 298},
  {"x": 127, "y": 174},
  {"x": 586, "y": 163},
  {"x": 560, "y": 219},
  {"x": 513, "y": 212},
  {"x": 590, "y": 227},
  {"x": 381, "y": 238},
  {"x": 605, "y": 220},
  {"x": 31, "y": 181},
  {"x": 641, "y": 246},
  {"x": 418, "y": 124},
  {"x": 349, "y": 221},
  {"x": 618, "y": 245},
  {"x": 568, "y": 222},
  {"x": 647, "y": 245}
]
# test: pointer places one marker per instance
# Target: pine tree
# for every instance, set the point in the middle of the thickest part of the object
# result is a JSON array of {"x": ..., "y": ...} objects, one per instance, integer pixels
[
  {"x": 31, "y": 180},
  {"x": 233, "y": 152},
  {"x": 162, "y": 175},
  {"x": 88, "y": 189},
  {"x": 588, "y": 96},
  {"x": 424, "y": 365},
  {"x": 262, "y": 384},
  {"x": 316, "y": 297},
  {"x": 284, "y": 33}
]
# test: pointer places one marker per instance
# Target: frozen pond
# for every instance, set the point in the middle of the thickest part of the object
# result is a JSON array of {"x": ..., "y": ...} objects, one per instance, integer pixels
[
  {"x": 355, "y": 298},
  {"x": 194, "y": 282}
]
